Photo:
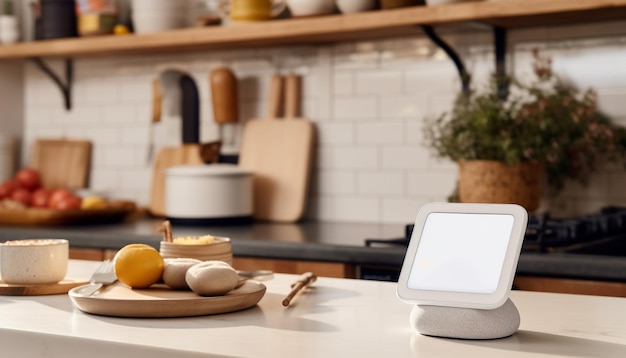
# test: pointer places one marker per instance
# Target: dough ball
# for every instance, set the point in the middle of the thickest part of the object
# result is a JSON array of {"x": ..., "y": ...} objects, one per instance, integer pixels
[
  {"x": 211, "y": 278},
  {"x": 175, "y": 270}
]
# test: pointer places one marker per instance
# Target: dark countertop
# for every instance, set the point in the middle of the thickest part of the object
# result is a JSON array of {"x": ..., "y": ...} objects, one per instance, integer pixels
[{"x": 315, "y": 241}]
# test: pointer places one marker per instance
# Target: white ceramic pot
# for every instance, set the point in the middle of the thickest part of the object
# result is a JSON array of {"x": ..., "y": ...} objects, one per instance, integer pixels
[
  {"x": 217, "y": 193},
  {"x": 352, "y": 6},
  {"x": 310, "y": 8},
  {"x": 9, "y": 29}
]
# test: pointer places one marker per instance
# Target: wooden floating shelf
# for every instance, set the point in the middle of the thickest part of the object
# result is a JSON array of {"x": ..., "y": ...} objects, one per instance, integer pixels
[{"x": 328, "y": 29}]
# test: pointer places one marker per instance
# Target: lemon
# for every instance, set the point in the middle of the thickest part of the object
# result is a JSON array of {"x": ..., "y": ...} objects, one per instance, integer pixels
[
  {"x": 138, "y": 265},
  {"x": 93, "y": 202},
  {"x": 121, "y": 29}
]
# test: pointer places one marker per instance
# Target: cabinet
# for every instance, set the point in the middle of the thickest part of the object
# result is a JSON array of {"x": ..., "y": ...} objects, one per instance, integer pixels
[{"x": 563, "y": 285}]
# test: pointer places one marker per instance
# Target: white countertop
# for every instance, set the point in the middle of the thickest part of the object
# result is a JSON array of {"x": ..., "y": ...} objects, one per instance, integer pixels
[{"x": 334, "y": 318}]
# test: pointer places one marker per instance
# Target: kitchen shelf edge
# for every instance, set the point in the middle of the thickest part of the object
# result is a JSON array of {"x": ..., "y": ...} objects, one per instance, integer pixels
[{"x": 327, "y": 29}]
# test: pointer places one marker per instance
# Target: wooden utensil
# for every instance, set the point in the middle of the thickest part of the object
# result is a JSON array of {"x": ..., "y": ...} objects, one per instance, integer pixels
[
  {"x": 62, "y": 163},
  {"x": 225, "y": 105},
  {"x": 278, "y": 152},
  {"x": 304, "y": 281}
]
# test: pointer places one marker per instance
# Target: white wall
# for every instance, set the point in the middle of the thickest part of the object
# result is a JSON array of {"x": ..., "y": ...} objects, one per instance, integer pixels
[{"x": 367, "y": 99}]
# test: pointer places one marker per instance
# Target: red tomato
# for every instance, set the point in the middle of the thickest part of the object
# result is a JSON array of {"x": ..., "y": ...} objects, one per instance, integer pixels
[
  {"x": 41, "y": 197},
  {"x": 58, "y": 195},
  {"x": 68, "y": 203},
  {"x": 23, "y": 196},
  {"x": 7, "y": 188},
  {"x": 28, "y": 178}
]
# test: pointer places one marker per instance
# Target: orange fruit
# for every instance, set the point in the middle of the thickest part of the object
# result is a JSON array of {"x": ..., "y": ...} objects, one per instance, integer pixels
[{"x": 138, "y": 265}]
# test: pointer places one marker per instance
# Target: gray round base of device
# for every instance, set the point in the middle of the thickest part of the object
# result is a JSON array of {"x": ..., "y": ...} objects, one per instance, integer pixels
[{"x": 466, "y": 323}]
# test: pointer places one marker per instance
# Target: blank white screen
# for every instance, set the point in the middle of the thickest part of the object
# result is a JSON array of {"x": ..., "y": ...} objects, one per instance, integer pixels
[{"x": 461, "y": 252}]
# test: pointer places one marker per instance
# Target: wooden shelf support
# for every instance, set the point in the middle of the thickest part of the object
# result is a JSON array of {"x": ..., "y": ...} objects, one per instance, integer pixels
[{"x": 64, "y": 86}]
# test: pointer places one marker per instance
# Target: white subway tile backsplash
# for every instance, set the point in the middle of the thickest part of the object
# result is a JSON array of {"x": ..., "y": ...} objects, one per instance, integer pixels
[
  {"x": 381, "y": 183},
  {"x": 347, "y": 209},
  {"x": 124, "y": 157},
  {"x": 335, "y": 182},
  {"x": 138, "y": 135},
  {"x": 380, "y": 133},
  {"x": 356, "y": 158},
  {"x": 332, "y": 133},
  {"x": 438, "y": 78},
  {"x": 355, "y": 108},
  {"x": 401, "y": 210},
  {"x": 135, "y": 89},
  {"x": 343, "y": 83},
  {"x": 378, "y": 82},
  {"x": 405, "y": 158},
  {"x": 431, "y": 184},
  {"x": 122, "y": 114},
  {"x": 368, "y": 100},
  {"x": 412, "y": 107}
]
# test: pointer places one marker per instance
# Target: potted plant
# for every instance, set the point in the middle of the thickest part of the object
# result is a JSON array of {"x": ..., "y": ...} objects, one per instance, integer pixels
[{"x": 504, "y": 146}]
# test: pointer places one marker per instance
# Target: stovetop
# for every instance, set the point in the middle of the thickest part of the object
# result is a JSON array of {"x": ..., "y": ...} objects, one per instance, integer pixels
[{"x": 598, "y": 233}]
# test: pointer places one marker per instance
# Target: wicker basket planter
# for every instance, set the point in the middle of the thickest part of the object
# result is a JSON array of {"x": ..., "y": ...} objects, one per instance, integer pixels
[{"x": 486, "y": 181}]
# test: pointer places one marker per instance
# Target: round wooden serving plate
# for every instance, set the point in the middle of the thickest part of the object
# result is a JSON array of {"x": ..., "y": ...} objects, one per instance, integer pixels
[{"x": 119, "y": 300}]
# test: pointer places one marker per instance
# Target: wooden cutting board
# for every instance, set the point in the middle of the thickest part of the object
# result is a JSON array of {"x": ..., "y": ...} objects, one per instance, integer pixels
[
  {"x": 62, "y": 163},
  {"x": 279, "y": 153},
  {"x": 187, "y": 154}
]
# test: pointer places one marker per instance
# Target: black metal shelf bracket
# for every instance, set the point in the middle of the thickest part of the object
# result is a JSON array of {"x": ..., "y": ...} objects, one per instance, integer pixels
[
  {"x": 458, "y": 63},
  {"x": 500, "y": 49},
  {"x": 499, "y": 40},
  {"x": 64, "y": 86}
]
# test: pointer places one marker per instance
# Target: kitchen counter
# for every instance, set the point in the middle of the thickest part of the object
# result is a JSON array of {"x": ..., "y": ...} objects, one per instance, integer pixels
[
  {"x": 333, "y": 318},
  {"x": 315, "y": 241}
]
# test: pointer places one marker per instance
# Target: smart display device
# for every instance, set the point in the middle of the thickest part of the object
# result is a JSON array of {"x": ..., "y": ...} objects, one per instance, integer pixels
[{"x": 463, "y": 255}]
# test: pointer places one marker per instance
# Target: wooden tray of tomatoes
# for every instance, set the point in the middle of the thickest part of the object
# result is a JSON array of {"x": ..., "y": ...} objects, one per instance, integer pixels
[{"x": 23, "y": 201}]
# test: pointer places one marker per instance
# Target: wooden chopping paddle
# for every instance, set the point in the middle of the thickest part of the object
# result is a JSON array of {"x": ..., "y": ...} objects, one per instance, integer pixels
[
  {"x": 62, "y": 163},
  {"x": 225, "y": 105},
  {"x": 188, "y": 153},
  {"x": 279, "y": 152}
]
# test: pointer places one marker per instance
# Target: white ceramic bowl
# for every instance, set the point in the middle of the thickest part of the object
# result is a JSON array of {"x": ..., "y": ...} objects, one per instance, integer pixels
[
  {"x": 158, "y": 15},
  {"x": 155, "y": 22},
  {"x": 310, "y": 7},
  {"x": 34, "y": 261},
  {"x": 147, "y": 5},
  {"x": 352, "y": 6}
]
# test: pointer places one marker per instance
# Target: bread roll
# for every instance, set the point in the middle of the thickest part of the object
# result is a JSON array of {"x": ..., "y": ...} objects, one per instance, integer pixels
[
  {"x": 211, "y": 278},
  {"x": 175, "y": 270}
]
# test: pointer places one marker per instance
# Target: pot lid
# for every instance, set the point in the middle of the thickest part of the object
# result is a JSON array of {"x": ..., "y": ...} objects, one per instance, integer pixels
[{"x": 207, "y": 170}]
